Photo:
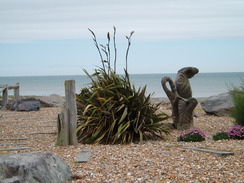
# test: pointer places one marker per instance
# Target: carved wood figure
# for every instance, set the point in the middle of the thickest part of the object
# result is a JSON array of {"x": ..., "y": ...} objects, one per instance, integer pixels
[{"x": 180, "y": 96}]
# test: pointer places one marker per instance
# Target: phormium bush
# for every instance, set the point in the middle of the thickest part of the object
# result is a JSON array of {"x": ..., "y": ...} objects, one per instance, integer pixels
[
  {"x": 194, "y": 135},
  {"x": 111, "y": 110}
]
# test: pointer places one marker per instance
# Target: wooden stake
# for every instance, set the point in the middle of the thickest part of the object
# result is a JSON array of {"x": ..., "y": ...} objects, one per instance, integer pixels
[
  {"x": 67, "y": 119},
  {"x": 70, "y": 105}
]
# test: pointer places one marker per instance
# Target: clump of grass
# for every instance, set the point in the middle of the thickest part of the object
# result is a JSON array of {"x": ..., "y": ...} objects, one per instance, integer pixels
[
  {"x": 238, "y": 111},
  {"x": 238, "y": 100}
]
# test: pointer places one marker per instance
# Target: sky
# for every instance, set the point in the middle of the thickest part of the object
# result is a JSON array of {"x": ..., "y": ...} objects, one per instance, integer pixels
[{"x": 51, "y": 37}]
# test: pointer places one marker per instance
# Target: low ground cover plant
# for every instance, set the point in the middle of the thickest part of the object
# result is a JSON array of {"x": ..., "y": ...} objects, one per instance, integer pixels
[
  {"x": 222, "y": 135},
  {"x": 194, "y": 135},
  {"x": 236, "y": 132},
  {"x": 111, "y": 110}
]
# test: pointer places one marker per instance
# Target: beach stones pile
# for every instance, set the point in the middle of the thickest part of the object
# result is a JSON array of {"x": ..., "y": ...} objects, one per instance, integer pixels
[
  {"x": 28, "y": 104},
  {"x": 34, "y": 168},
  {"x": 53, "y": 100},
  {"x": 35, "y": 103}
]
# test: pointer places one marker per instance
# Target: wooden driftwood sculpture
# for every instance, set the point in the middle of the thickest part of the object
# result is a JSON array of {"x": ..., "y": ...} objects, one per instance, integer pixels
[{"x": 180, "y": 96}]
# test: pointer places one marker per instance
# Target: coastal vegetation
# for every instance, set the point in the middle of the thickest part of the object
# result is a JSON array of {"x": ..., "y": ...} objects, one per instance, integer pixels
[
  {"x": 193, "y": 135},
  {"x": 235, "y": 132},
  {"x": 111, "y": 110},
  {"x": 238, "y": 99},
  {"x": 222, "y": 135}
]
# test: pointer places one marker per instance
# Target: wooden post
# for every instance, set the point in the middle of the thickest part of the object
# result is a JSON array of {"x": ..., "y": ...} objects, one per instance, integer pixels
[
  {"x": 70, "y": 105},
  {"x": 16, "y": 92},
  {"x": 63, "y": 128},
  {"x": 5, "y": 95},
  {"x": 67, "y": 119}
]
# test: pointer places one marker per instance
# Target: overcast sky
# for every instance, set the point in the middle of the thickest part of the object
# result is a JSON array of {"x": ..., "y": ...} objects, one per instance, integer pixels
[{"x": 47, "y": 37}]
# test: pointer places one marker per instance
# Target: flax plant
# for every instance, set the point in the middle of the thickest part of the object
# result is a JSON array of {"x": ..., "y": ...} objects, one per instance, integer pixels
[{"x": 111, "y": 110}]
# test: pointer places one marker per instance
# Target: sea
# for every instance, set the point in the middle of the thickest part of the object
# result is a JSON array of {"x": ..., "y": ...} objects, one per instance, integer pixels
[{"x": 202, "y": 84}]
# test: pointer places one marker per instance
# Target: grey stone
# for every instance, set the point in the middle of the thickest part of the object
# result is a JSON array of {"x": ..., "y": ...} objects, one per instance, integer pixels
[
  {"x": 33, "y": 168},
  {"x": 28, "y": 104},
  {"x": 10, "y": 105},
  {"x": 218, "y": 105},
  {"x": 53, "y": 100},
  {"x": 83, "y": 156}
]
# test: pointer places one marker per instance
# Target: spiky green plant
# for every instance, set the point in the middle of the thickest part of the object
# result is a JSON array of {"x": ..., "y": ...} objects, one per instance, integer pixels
[
  {"x": 238, "y": 99},
  {"x": 112, "y": 111}
]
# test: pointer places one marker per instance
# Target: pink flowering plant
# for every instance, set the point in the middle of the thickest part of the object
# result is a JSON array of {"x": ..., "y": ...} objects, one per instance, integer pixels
[
  {"x": 194, "y": 135},
  {"x": 236, "y": 132}
]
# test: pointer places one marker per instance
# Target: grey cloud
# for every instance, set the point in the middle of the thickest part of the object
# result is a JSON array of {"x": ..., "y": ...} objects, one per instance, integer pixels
[{"x": 27, "y": 20}]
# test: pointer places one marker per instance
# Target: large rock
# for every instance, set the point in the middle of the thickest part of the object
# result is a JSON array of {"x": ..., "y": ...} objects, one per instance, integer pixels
[
  {"x": 28, "y": 104},
  {"x": 10, "y": 105},
  {"x": 33, "y": 168},
  {"x": 53, "y": 100},
  {"x": 219, "y": 105}
]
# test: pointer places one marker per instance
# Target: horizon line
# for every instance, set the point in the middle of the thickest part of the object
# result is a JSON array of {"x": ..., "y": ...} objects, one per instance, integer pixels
[{"x": 120, "y": 74}]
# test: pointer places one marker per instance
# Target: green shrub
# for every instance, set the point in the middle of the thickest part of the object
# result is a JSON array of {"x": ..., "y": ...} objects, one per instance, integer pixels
[
  {"x": 193, "y": 135},
  {"x": 221, "y": 136},
  {"x": 238, "y": 111},
  {"x": 238, "y": 100},
  {"x": 112, "y": 111}
]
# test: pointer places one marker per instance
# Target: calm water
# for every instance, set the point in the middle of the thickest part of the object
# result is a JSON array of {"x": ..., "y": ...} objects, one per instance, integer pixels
[{"x": 203, "y": 84}]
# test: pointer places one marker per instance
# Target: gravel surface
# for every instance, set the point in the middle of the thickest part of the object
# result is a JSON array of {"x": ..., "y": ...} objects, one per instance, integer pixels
[{"x": 151, "y": 161}]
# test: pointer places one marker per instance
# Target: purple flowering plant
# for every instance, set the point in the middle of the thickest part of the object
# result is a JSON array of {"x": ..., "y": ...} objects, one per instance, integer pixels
[
  {"x": 194, "y": 135},
  {"x": 236, "y": 132}
]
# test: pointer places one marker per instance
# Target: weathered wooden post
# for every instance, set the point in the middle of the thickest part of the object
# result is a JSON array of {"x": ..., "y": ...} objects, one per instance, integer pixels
[
  {"x": 5, "y": 95},
  {"x": 67, "y": 119},
  {"x": 63, "y": 128},
  {"x": 70, "y": 105},
  {"x": 16, "y": 92}
]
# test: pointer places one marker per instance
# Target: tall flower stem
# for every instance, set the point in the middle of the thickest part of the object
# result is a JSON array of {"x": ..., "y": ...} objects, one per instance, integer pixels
[
  {"x": 96, "y": 44},
  {"x": 115, "y": 50},
  {"x": 127, "y": 51}
]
